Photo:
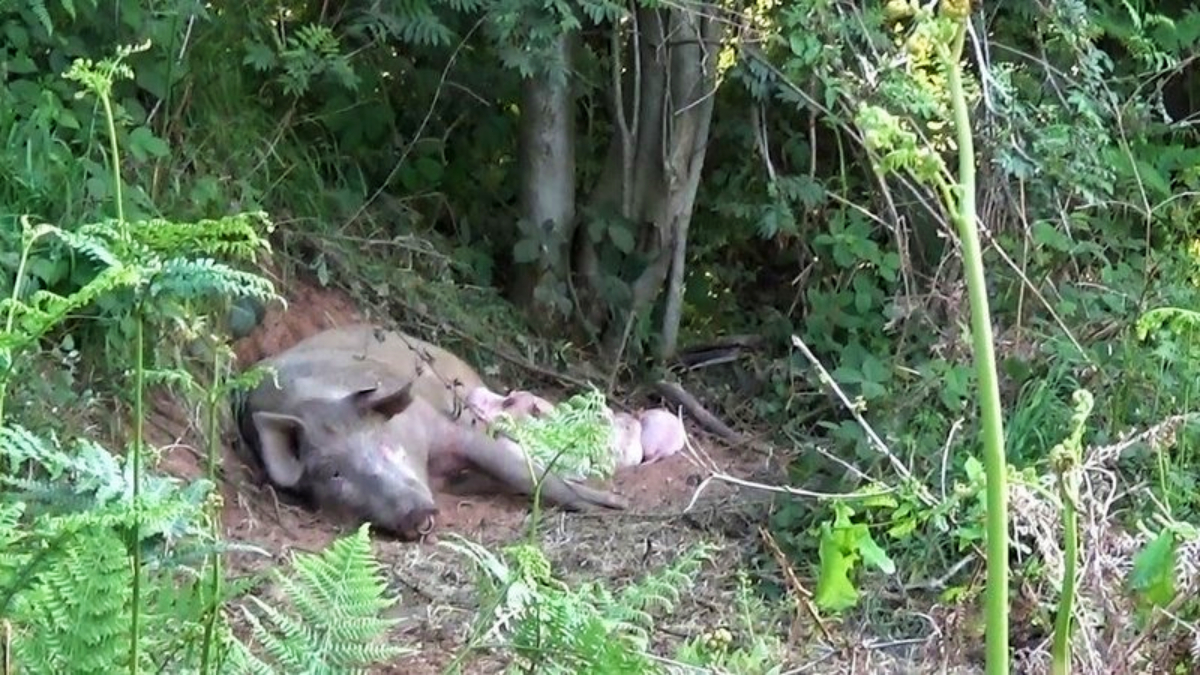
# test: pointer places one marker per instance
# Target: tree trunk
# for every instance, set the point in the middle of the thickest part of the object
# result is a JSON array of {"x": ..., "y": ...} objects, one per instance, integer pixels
[
  {"x": 547, "y": 161},
  {"x": 663, "y": 108}
]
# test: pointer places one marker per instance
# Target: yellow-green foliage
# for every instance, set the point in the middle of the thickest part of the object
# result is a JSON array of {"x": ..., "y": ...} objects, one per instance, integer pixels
[{"x": 338, "y": 596}]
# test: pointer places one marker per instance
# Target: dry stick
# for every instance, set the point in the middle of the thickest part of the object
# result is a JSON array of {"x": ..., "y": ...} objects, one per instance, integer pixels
[
  {"x": 702, "y": 459},
  {"x": 676, "y": 393},
  {"x": 803, "y": 597},
  {"x": 829, "y": 382},
  {"x": 946, "y": 452}
]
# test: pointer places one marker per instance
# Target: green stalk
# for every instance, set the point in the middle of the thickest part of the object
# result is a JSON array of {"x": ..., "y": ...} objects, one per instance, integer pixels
[
  {"x": 138, "y": 416},
  {"x": 104, "y": 94},
  {"x": 26, "y": 247},
  {"x": 1061, "y": 650},
  {"x": 116, "y": 159},
  {"x": 1067, "y": 457},
  {"x": 985, "y": 366},
  {"x": 214, "y": 579}
]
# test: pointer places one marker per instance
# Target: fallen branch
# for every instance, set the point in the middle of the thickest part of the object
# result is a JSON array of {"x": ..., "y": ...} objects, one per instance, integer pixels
[{"x": 674, "y": 392}]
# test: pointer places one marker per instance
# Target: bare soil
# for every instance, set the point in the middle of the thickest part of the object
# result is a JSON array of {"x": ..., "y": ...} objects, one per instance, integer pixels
[{"x": 435, "y": 585}]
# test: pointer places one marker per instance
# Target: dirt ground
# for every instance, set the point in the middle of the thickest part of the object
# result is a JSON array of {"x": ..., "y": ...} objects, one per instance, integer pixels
[{"x": 435, "y": 585}]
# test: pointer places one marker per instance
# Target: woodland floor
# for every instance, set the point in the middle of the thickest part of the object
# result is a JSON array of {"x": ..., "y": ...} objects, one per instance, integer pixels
[{"x": 435, "y": 585}]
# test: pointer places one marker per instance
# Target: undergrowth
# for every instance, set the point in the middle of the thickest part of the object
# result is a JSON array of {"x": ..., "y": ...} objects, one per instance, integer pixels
[
  {"x": 405, "y": 196},
  {"x": 106, "y": 565}
]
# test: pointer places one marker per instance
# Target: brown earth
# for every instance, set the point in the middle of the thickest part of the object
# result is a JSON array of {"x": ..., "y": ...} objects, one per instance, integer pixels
[{"x": 435, "y": 584}]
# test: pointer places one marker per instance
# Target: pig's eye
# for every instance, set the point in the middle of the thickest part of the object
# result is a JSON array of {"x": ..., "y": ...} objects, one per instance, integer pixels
[{"x": 337, "y": 474}]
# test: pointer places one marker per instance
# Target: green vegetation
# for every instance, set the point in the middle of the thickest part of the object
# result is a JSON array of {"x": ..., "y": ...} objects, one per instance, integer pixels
[{"x": 968, "y": 252}]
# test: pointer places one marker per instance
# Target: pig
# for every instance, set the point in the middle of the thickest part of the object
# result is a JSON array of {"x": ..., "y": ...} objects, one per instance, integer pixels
[
  {"x": 439, "y": 376},
  {"x": 362, "y": 427},
  {"x": 626, "y": 439},
  {"x": 662, "y": 434},
  {"x": 487, "y": 404}
]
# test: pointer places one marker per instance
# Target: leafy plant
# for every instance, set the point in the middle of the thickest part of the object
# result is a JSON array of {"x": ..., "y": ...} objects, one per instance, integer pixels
[
  {"x": 337, "y": 597},
  {"x": 575, "y": 437},
  {"x": 555, "y": 629}
]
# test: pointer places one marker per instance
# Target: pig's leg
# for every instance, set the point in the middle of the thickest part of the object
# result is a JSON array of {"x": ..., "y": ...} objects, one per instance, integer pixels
[{"x": 502, "y": 459}]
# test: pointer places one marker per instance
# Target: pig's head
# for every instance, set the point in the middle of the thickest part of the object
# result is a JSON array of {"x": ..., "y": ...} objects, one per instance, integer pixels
[
  {"x": 524, "y": 403},
  {"x": 346, "y": 455},
  {"x": 487, "y": 404}
]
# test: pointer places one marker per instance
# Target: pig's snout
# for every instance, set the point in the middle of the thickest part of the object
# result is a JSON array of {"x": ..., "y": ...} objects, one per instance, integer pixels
[
  {"x": 419, "y": 523},
  {"x": 406, "y": 506}
]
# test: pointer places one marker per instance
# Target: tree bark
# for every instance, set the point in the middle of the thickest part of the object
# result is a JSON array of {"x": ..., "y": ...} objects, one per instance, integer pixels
[
  {"x": 547, "y": 161},
  {"x": 663, "y": 109}
]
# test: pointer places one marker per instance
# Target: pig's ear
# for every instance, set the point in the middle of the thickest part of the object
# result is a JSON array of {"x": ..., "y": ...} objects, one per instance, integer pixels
[
  {"x": 278, "y": 435},
  {"x": 388, "y": 405}
]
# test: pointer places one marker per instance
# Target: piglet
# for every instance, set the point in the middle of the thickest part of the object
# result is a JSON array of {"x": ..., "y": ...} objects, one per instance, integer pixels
[
  {"x": 523, "y": 403},
  {"x": 626, "y": 439},
  {"x": 487, "y": 404},
  {"x": 662, "y": 434}
]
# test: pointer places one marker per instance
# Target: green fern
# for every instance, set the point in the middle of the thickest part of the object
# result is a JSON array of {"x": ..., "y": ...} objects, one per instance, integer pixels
[
  {"x": 75, "y": 614},
  {"x": 338, "y": 596},
  {"x": 65, "y": 576},
  {"x": 576, "y": 436},
  {"x": 554, "y": 629},
  {"x": 235, "y": 236},
  {"x": 411, "y": 22}
]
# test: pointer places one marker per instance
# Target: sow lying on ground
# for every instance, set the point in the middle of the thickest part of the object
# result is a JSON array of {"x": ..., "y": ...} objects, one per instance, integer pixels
[{"x": 360, "y": 421}]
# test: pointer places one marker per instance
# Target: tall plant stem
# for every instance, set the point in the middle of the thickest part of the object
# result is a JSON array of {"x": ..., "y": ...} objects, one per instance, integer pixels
[
  {"x": 985, "y": 365},
  {"x": 214, "y": 580},
  {"x": 138, "y": 415}
]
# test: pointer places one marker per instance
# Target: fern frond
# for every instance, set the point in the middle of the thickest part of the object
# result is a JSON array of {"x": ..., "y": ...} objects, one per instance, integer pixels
[
  {"x": 90, "y": 486},
  {"x": 338, "y": 596},
  {"x": 73, "y": 620},
  {"x": 205, "y": 277},
  {"x": 45, "y": 309},
  {"x": 92, "y": 241},
  {"x": 576, "y": 436},
  {"x": 555, "y": 629},
  {"x": 410, "y": 21},
  {"x": 236, "y": 236}
]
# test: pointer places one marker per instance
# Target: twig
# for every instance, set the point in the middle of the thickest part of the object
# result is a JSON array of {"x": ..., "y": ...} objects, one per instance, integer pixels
[
  {"x": 829, "y": 382},
  {"x": 802, "y": 596},
  {"x": 676, "y": 393}
]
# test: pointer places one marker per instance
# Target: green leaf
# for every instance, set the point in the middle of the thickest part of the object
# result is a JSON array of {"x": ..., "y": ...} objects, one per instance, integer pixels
[
  {"x": 144, "y": 144},
  {"x": 525, "y": 251},
  {"x": 430, "y": 169},
  {"x": 1046, "y": 234},
  {"x": 873, "y": 554},
  {"x": 1153, "y": 572},
  {"x": 621, "y": 237},
  {"x": 21, "y": 64},
  {"x": 834, "y": 590}
]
